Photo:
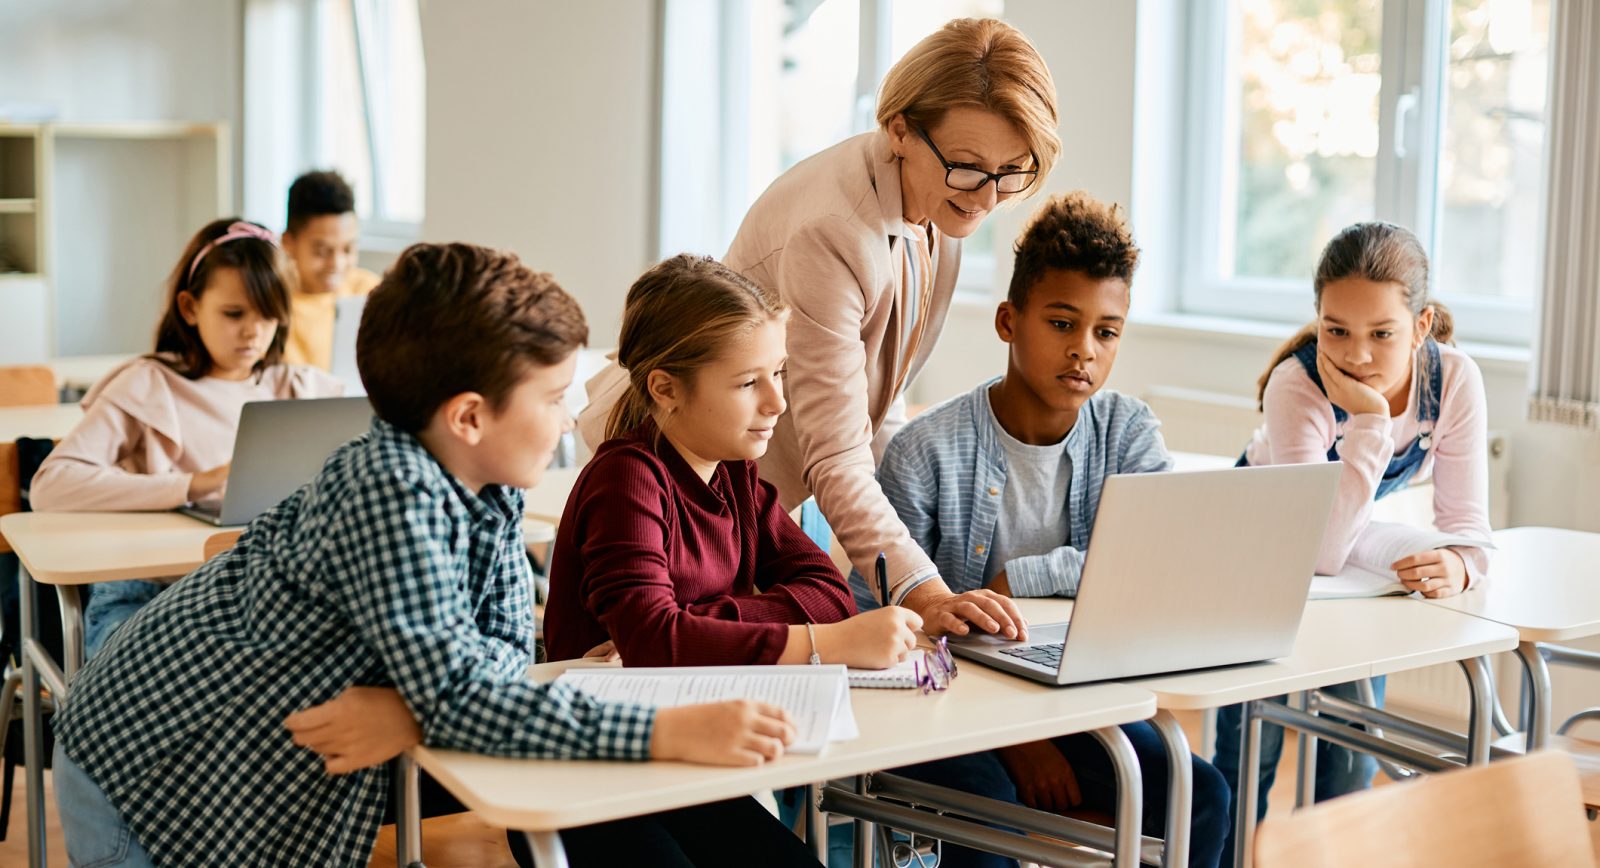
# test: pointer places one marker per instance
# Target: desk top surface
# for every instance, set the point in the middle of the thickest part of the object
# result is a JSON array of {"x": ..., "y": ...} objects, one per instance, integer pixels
[
  {"x": 1338, "y": 641},
  {"x": 1543, "y": 581},
  {"x": 983, "y": 709},
  {"x": 51, "y": 421}
]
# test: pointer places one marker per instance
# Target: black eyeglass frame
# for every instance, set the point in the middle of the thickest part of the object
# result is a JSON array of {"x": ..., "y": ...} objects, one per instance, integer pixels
[{"x": 949, "y": 167}]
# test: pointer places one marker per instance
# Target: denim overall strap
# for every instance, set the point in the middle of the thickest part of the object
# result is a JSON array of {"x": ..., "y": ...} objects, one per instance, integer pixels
[
  {"x": 1430, "y": 387},
  {"x": 1307, "y": 357}
]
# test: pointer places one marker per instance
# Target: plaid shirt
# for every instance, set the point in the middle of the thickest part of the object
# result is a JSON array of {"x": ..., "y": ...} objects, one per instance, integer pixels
[{"x": 384, "y": 570}]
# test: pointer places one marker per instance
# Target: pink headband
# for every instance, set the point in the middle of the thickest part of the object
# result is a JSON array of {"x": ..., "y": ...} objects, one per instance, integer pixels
[{"x": 239, "y": 229}]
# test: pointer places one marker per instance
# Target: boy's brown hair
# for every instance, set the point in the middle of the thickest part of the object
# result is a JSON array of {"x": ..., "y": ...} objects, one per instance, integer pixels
[
  {"x": 1073, "y": 232},
  {"x": 453, "y": 318}
]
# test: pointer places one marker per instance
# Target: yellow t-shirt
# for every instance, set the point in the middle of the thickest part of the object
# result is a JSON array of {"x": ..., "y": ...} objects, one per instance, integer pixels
[{"x": 310, "y": 340}]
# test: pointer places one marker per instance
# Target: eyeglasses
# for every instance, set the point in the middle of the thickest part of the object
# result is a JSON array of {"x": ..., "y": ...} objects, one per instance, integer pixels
[
  {"x": 970, "y": 179},
  {"x": 936, "y": 669}
]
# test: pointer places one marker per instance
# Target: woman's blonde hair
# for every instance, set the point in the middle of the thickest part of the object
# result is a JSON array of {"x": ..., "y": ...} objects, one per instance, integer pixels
[
  {"x": 1375, "y": 251},
  {"x": 979, "y": 62},
  {"x": 680, "y": 316}
]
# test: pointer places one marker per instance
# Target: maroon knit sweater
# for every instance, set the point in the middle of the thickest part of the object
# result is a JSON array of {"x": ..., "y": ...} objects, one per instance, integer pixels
[{"x": 678, "y": 572}]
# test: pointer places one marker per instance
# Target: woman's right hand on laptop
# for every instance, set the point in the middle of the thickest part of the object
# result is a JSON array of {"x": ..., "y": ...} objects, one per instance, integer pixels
[
  {"x": 956, "y": 614},
  {"x": 208, "y": 483},
  {"x": 739, "y": 732}
]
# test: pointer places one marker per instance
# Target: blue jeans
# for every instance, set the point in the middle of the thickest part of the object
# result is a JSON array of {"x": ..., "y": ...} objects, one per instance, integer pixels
[
  {"x": 110, "y": 604},
  {"x": 1339, "y": 770},
  {"x": 96, "y": 834}
]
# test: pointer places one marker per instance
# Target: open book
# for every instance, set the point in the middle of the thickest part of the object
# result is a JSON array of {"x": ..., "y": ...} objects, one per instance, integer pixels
[
  {"x": 1367, "y": 573},
  {"x": 817, "y": 698}
]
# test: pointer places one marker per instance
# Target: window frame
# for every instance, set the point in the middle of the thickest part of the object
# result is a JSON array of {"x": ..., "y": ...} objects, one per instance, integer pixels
[{"x": 1414, "y": 51}]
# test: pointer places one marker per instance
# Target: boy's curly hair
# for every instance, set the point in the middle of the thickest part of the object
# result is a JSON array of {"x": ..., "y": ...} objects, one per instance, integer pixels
[{"x": 1073, "y": 232}]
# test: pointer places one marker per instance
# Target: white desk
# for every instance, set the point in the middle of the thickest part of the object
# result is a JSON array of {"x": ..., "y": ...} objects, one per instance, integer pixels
[
  {"x": 51, "y": 421},
  {"x": 81, "y": 372},
  {"x": 983, "y": 709},
  {"x": 1339, "y": 641},
  {"x": 1542, "y": 582}
]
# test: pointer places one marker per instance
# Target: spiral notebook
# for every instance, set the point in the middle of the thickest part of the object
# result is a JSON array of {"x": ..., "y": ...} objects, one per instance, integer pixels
[{"x": 902, "y": 674}]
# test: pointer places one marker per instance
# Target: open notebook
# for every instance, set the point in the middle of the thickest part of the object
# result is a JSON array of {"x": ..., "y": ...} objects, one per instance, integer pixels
[
  {"x": 1366, "y": 571},
  {"x": 817, "y": 698},
  {"x": 902, "y": 674}
]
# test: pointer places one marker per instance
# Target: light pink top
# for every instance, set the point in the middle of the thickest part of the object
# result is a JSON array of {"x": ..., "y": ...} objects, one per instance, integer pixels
[
  {"x": 147, "y": 430},
  {"x": 1300, "y": 429}
]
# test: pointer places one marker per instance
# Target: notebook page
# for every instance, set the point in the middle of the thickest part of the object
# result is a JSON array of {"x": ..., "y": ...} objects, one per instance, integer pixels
[
  {"x": 902, "y": 674},
  {"x": 810, "y": 694},
  {"x": 1382, "y": 543},
  {"x": 1355, "y": 582}
]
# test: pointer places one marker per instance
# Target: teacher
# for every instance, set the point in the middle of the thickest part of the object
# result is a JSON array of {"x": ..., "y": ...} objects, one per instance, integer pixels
[{"x": 863, "y": 240}]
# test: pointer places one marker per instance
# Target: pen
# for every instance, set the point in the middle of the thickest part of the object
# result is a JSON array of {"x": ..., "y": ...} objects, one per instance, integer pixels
[{"x": 883, "y": 578}]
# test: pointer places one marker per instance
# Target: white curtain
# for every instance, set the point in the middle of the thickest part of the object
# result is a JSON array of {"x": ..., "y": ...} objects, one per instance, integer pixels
[{"x": 1566, "y": 376}]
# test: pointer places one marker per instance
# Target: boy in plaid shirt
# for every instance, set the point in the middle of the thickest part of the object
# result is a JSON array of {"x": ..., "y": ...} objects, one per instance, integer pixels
[{"x": 400, "y": 567}]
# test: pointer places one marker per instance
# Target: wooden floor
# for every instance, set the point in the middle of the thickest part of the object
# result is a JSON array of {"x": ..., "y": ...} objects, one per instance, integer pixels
[{"x": 463, "y": 841}]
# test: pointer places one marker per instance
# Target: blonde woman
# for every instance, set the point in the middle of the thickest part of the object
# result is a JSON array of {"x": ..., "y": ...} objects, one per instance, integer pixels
[{"x": 863, "y": 241}]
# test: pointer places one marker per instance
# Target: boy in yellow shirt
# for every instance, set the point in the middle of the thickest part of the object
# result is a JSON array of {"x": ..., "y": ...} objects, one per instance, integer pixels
[{"x": 320, "y": 237}]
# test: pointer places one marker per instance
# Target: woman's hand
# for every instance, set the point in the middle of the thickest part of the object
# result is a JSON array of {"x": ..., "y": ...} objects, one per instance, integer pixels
[
  {"x": 606, "y": 651},
  {"x": 945, "y": 612},
  {"x": 1347, "y": 392},
  {"x": 1043, "y": 776},
  {"x": 208, "y": 483},
  {"x": 361, "y": 727},
  {"x": 1435, "y": 572},
  {"x": 871, "y": 640},
  {"x": 740, "y": 732}
]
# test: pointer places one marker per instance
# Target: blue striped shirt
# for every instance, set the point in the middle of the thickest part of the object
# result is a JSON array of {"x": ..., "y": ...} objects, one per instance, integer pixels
[{"x": 945, "y": 474}]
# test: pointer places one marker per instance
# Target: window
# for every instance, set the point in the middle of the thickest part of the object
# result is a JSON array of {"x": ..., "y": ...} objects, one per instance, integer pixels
[
  {"x": 353, "y": 100},
  {"x": 1308, "y": 116},
  {"x": 787, "y": 78}
]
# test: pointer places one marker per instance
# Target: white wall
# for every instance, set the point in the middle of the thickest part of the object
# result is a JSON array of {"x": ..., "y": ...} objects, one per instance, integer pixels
[
  {"x": 541, "y": 139},
  {"x": 117, "y": 60}
]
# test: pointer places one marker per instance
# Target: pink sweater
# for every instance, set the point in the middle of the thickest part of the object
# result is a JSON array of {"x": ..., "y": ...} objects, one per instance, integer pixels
[
  {"x": 1300, "y": 429},
  {"x": 147, "y": 430}
]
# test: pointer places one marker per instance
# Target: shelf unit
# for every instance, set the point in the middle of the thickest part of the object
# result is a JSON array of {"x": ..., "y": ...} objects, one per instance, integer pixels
[{"x": 92, "y": 217}]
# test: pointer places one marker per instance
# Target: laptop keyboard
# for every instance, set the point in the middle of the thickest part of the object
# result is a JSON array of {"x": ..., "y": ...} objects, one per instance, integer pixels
[{"x": 1044, "y": 655}]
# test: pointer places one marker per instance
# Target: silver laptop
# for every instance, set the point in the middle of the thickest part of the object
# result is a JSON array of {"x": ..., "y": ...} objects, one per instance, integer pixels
[
  {"x": 346, "y": 323},
  {"x": 1186, "y": 571},
  {"x": 281, "y": 445}
]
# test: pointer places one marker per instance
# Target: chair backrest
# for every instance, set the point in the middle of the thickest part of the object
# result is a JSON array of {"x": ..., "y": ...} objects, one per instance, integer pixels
[
  {"x": 1523, "y": 811},
  {"x": 27, "y": 385},
  {"x": 220, "y": 542}
]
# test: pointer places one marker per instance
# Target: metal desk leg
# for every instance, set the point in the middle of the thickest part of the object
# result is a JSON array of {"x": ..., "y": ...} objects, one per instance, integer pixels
[
  {"x": 1244, "y": 826},
  {"x": 1480, "y": 726},
  {"x": 865, "y": 831},
  {"x": 32, "y": 719},
  {"x": 547, "y": 850},
  {"x": 407, "y": 813},
  {"x": 71, "y": 629},
  {"x": 816, "y": 823},
  {"x": 1306, "y": 766},
  {"x": 1180, "y": 790},
  {"x": 1130, "y": 795},
  {"x": 1537, "y": 702}
]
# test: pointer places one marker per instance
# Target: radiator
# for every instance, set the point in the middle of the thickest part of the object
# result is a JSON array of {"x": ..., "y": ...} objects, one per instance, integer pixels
[{"x": 1220, "y": 424}]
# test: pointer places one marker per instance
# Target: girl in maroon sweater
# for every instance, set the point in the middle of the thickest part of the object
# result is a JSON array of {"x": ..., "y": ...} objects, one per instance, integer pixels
[{"x": 671, "y": 547}]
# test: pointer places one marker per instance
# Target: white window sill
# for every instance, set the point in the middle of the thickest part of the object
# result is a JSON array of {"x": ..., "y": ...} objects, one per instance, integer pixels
[{"x": 1498, "y": 358}]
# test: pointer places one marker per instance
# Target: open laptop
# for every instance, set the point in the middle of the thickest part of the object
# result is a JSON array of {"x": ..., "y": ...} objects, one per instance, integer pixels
[
  {"x": 1186, "y": 571},
  {"x": 346, "y": 323},
  {"x": 281, "y": 446}
]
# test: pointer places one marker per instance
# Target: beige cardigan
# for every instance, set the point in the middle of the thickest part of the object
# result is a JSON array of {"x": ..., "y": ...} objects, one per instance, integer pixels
[{"x": 826, "y": 235}]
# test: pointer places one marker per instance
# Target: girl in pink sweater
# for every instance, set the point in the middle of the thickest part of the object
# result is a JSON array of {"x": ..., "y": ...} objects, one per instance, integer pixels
[
  {"x": 158, "y": 431},
  {"x": 1374, "y": 383}
]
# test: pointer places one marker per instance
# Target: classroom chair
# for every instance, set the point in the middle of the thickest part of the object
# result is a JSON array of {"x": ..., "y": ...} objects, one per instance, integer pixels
[
  {"x": 1520, "y": 811},
  {"x": 220, "y": 542},
  {"x": 27, "y": 385}
]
